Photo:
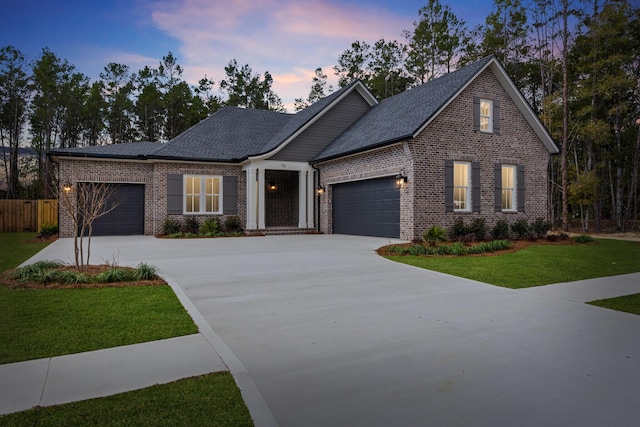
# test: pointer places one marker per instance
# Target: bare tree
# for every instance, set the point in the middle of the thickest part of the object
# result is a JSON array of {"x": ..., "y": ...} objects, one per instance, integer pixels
[{"x": 84, "y": 204}]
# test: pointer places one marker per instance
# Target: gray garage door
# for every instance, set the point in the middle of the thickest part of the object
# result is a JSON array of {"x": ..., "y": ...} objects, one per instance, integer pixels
[
  {"x": 128, "y": 217},
  {"x": 367, "y": 208}
]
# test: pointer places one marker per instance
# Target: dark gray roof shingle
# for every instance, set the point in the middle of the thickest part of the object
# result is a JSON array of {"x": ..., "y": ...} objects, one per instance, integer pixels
[
  {"x": 126, "y": 150},
  {"x": 230, "y": 134},
  {"x": 400, "y": 116}
]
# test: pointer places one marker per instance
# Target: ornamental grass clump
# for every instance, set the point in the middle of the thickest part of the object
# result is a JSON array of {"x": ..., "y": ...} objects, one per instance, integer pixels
[
  {"x": 115, "y": 275},
  {"x": 434, "y": 235},
  {"x": 145, "y": 272},
  {"x": 36, "y": 272}
]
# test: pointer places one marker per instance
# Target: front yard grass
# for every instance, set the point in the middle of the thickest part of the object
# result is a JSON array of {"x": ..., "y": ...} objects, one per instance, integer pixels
[
  {"x": 51, "y": 322},
  {"x": 538, "y": 265},
  {"x": 627, "y": 303},
  {"x": 208, "y": 400}
]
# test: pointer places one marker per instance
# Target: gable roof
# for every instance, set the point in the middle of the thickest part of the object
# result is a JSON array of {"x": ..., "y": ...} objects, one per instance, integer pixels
[
  {"x": 235, "y": 134},
  {"x": 405, "y": 115}
]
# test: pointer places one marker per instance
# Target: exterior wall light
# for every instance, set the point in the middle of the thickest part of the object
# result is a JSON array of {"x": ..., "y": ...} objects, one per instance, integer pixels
[
  {"x": 272, "y": 186},
  {"x": 401, "y": 180},
  {"x": 320, "y": 190},
  {"x": 67, "y": 188}
]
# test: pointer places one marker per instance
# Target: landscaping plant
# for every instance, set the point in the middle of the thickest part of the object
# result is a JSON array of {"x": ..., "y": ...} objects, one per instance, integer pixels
[{"x": 434, "y": 235}]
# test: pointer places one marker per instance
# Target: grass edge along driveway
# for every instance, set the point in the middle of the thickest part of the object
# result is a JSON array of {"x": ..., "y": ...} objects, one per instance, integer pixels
[
  {"x": 213, "y": 398},
  {"x": 538, "y": 265}
]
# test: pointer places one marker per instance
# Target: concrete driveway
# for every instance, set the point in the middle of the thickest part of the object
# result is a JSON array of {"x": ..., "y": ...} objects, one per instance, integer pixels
[{"x": 334, "y": 335}]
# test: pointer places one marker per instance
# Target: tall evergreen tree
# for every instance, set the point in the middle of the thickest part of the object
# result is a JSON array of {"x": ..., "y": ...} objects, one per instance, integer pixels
[
  {"x": 14, "y": 97},
  {"x": 246, "y": 89}
]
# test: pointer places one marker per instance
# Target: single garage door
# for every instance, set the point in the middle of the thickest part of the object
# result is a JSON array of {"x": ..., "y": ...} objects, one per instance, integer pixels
[
  {"x": 367, "y": 208},
  {"x": 128, "y": 216}
]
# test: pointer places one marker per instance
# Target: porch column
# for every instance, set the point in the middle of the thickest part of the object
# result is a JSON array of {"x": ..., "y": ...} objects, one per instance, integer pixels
[
  {"x": 302, "y": 199},
  {"x": 261, "y": 208},
  {"x": 252, "y": 197},
  {"x": 311, "y": 192}
]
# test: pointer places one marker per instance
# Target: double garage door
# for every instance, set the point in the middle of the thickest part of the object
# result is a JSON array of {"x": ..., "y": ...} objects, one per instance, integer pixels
[
  {"x": 128, "y": 216},
  {"x": 367, "y": 208}
]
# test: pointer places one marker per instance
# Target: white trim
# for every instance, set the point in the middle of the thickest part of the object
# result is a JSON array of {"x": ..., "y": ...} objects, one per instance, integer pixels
[
  {"x": 469, "y": 187},
  {"x": 514, "y": 188},
  {"x": 202, "y": 194},
  {"x": 490, "y": 116}
]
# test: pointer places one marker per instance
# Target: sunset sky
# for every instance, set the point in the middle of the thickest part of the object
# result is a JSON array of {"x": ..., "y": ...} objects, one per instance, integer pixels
[{"x": 288, "y": 38}]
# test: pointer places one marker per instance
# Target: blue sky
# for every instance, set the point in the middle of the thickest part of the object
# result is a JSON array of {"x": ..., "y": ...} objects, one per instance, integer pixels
[{"x": 288, "y": 38}]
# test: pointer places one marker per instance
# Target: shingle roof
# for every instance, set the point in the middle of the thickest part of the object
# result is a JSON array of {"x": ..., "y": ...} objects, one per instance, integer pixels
[
  {"x": 230, "y": 134},
  {"x": 118, "y": 151},
  {"x": 400, "y": 116}
]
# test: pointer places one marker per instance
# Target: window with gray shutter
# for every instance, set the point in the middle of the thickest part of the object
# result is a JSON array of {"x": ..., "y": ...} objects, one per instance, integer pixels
[
  {"x": 496, "y": 116},
  {"x": 497, "y": 187},
  {"x": 448, "y": 185},
  {"x": 476, "y": 114},
  {"x": 174, "y": 194},
  {"x": 521, "y": 188},
  {"x": 230, "y": 195},
  {"x": 475, "y": 189}
]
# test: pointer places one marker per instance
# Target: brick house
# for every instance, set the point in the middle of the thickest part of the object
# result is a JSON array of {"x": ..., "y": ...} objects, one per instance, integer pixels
[{"x": 464, "y": 145}]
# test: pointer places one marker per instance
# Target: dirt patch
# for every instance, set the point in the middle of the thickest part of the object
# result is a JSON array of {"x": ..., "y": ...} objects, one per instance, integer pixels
[{"x": 7, "y": 278}]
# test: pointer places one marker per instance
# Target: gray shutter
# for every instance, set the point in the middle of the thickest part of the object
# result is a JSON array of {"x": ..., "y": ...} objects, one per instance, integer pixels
[
  {"x": 496, "y": 116},
  {"x": 174, "y": 194},
  {"x": 476, "y": 114},
  {"x": 521, "y": 188},
  {"x": 497, "y": 186},
  {"x": 448, "y": 185},
  {"x": 475, "y": 185},
  {"x": 230, "y": 195}
]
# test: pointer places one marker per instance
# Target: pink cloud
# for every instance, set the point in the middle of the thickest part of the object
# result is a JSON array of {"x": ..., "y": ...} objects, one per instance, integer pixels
[{"x": 287, "y": 38}]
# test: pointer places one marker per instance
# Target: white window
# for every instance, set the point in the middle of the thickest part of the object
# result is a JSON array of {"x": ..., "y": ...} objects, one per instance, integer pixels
[
  {"x": 486, "y": 115},
  {"x": 202, "y": 194},
  {"x": 508, "y": 188},
  {"x": 461, "y": 186}
]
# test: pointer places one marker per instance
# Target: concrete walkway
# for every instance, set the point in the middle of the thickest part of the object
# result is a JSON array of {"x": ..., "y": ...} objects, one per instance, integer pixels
[{"x": 318, "y": 330}]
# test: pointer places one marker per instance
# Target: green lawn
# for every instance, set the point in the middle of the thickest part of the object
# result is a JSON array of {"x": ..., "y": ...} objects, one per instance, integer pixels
[
  {"x": 13, "y": 250},
  {"x": 41, "y": 323},
  {"x": 51, "y": 322},
  {"x": 208, "y": 400},
  {"x": 539, "y": 264},
  {"x": 628, "y": 303}
]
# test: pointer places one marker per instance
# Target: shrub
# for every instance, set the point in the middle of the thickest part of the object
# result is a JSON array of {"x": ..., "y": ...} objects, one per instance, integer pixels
[
  {"x": 459, "y": 229},
  {"x": 145, "y": 272},
  {"x": 478, "y": 228},
  {"x": 171, "y": 226},
  {"x": 232, "y": 224},
  {"x": 520, "y": 228},
  {"x": 398, "y": 250},
  {"x": 584, "y": 238},
  {"x": 458, "y": 249},
  {"x": 70, "y": 277},
  {"x": 48, "y": 230},
  {"x": 210, "y": 227},
  {"x": 434, "y": 235},
  {"x": 417, "y": 250},
  {"x": 114, "y": 275},
  {"x": 540, "y": 227},
  {"x": 191, "y": 226},
  {"x": 37, "y": 271},
  {"x": 500, "y": 230}
]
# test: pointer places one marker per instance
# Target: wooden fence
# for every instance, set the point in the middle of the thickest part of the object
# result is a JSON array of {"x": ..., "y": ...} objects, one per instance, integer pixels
[{"x": 27, "y": 215}]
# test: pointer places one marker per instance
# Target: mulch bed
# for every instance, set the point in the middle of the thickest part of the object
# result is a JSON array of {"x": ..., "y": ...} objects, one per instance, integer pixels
[
  {"x": 7, "y": 279},
  {"x": 517, "y": 245}
]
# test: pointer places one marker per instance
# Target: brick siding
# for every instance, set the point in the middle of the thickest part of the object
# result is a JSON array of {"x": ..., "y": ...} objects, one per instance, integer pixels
[
  {"x": 152, "y": 175},
  {"x": 451, "y": 136}
]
